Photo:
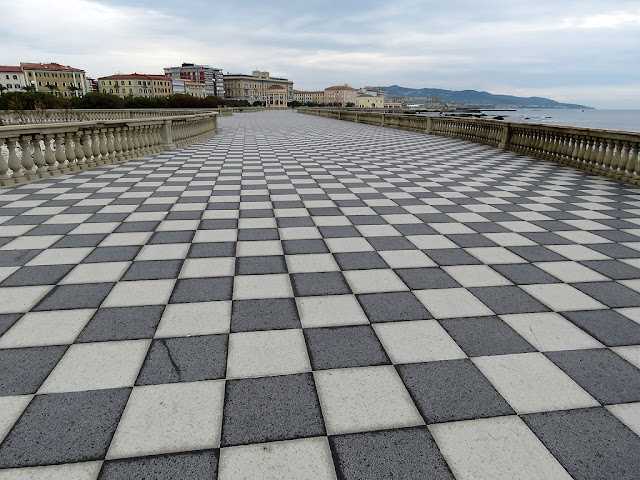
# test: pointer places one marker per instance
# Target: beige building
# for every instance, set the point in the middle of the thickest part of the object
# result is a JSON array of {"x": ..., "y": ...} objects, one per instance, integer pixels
[
  {"x": 367, "y": 101},
  {"x": 276, "y": 96},
  {"x": 253, "y": 87},
  {"x": 136, "y": 85},
  {"x": 340, "y": 95},
  {"x": 195, "y": 89},
  {"x": 11, "y": 78},
  {"x": 69, "y": 81},
  {"x": 304, "y": 96}
]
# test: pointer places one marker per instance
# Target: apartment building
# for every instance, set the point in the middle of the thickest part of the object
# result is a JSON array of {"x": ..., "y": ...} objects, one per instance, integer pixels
[
  {"x": 253, "y": 87},
  {"x": 136, "y": 85},
  {"x": 304, "y": 96},
  {"x": 368, "y": 101},
  {"x": 68, "y": 81},
  {"x": 12, "y": 78},
  {"x": 211, "y": 77},
  {"x": 340, "y": 95}
]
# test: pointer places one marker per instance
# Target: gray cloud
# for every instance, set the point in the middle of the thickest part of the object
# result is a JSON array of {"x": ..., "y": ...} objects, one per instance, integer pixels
[{"x": 583, "y": 52}]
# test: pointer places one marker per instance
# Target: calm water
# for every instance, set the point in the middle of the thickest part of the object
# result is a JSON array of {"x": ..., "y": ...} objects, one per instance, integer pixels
[{"x": 628, "y": 120}]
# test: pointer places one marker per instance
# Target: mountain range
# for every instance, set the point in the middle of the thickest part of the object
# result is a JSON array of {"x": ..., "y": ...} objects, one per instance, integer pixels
[{"x": 476, "y": 98}]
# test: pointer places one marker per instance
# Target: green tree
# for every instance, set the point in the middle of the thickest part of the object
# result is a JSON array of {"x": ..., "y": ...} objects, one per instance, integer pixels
[
  {"x": 29, "y": 88},
  {"x": 2, "y": 89}
]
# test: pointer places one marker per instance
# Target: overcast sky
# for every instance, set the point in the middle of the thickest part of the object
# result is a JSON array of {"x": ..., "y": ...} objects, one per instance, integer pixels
[{"x": 585, "y": 51}]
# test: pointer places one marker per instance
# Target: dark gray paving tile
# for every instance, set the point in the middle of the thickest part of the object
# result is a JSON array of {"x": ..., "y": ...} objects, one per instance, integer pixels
[
  {"x": 64, "y": 428},
  {"x": 360, "y": 260},
  {"x": 264, "y": 314},
  {"x": 344, "y": 231},
  {"x": 612, "y": 294},
  {"x": 185, "y": 359},
  {"x": 393, "y": 307},
  {"x": 65, "y": 297},
  {"x": 217, "y": 249},
  {"x": 49, "y": 229},
  {"x": 325, "y": 283},
  {"x": 7, "y": 320},
  {"x": 220, "y": 224},
  {"x": 343, "y": 347},
  {"x": 508, "y": 299},
  {"x": 391, "y": 243},
  {"x": 260, "y": 265},
  {"x": 17, "y": 258},
  {"x": 112, "y": 254},
  {"x": 294, "y": 247},
  {"x": 258, "y": 234},
  {"x": 201, "y": 465},
  {"x": 602, "y": 373},
  {"x": 89, "y": 240},
  {"x": 589, "y": 443},
  {"x": 471, "y": 240},
  {"x": 451, "y": 256},
  {"x": 122, "y": 323},
  {"x": 400, "y": 453},
  {"x": 614, "y": 269},
  {"x": 524, "y": 273},
  {"x": 479, "y": 336},
  {"x": 171, "y": 237},
  {"x": 269, "y": 409},
  {"x": 426, "y": 278},
  {"x": 153, "y": 270},
  {"x": 536, "y": 254},
  {"x": 366, "y": 220},
  {"x": 210, "y": 289},
  {"x": 286, "y": 222},
  {"x": 607, "y": 326},
  {"x": 24, "y": 369},
  {"x": 126, "y": 227},
  {"x": 615, "y": 250},
  {"x": 544, "y": 238},
  {"x": 37, "y": 275},
  {"x": 452, "y": 390}
]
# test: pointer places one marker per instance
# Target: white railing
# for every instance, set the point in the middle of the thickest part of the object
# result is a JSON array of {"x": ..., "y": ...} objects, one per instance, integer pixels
[
  {"x": 17, "y": 117},
  {"x": 603, "y": 152},
  {"x": 31, "y": 152}
]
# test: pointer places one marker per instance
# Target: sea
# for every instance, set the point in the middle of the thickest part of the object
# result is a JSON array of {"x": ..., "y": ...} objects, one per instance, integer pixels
[{"x": 626, "y": 120}]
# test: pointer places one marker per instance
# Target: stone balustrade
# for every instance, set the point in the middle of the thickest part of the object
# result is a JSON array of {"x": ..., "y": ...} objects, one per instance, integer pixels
[
  {"x": 14, "y": 117},
  {"x": 603, "y": 152},
  {"x": 31, "y": 152}
]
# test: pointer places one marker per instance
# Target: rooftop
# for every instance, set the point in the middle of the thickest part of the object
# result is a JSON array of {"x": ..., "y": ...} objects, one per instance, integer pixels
[
  {"x": 136, "y": 75},
  {"x": 300, "y": 297},
  {"x": 48, "y": 66}
]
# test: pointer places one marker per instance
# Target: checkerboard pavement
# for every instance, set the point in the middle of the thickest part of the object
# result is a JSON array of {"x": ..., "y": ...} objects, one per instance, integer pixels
[{"x": 300, "y": 297}]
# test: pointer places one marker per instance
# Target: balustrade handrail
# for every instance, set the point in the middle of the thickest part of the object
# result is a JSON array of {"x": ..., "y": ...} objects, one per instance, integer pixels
[
  {"x": 33, "y": 151},
  {"x": 611, "y": 153},
  {"x": 20, "y": 117}
]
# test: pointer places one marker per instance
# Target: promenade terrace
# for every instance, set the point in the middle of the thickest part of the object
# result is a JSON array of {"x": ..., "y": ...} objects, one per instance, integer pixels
[{"x": 302, "y": 297}]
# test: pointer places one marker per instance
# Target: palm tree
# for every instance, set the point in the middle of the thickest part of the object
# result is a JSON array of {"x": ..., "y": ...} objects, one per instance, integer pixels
[
  {"x": 73, "y": 89},
  {"x": 51, "y": 87},
  {"x": 2, "y": 89},
  {"x": 29, "y": 88}
]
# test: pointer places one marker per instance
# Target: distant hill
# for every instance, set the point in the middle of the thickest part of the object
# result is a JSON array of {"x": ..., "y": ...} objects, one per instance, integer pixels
[{"x": 476, "y": 98}]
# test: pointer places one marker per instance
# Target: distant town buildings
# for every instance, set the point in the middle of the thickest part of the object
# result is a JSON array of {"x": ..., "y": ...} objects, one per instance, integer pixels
[
  {"x": 61, "y": 80},
  {"x": 340, "y": 95},
  {"x": 187, "y": 87},
  {"x": 136, "y": 85},
  {"x": 254, "y": 87},
  {"x": 212, "y": 78},
  {"x": 12, "y": 78},
  {"x": 369, "y": 101},
  {"x": 305, "y": 96}
]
